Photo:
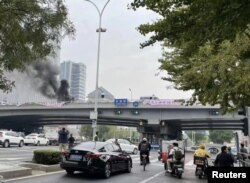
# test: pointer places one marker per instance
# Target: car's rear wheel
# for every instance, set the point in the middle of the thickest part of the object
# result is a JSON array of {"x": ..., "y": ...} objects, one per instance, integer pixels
[
  {"x": 21, "y": 143},
  {"x": 129, "y": 166},
  {"x": 38, "y": 143},
  {"x": 107, "y": 170},
  {"x": 6, "y": 144},
  {"x": 70, "y": 172}
]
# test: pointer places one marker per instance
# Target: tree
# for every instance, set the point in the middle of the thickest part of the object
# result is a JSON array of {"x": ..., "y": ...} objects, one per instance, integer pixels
[
  {"x": 86, "y": 131},
  {"x": 210, "y": 48},
  {"x": 29, "y": 30},
  {"x": 221, "y": 136},
  {"x": 199, "y": 136}
]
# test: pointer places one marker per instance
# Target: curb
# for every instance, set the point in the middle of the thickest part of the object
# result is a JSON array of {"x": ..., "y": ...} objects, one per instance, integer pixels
[
  {"x": 16, "y": 172},
  {"x": 40, "y": 167}
]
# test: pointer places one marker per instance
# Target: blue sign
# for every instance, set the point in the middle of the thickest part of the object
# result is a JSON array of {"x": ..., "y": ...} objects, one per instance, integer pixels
[
  {"x": 136, "y": 104},
  {"x": 121, "y": 102}
]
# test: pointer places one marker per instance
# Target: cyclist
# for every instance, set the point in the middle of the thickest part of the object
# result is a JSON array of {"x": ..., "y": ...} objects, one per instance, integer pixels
[{"x": 144, "y": 148}]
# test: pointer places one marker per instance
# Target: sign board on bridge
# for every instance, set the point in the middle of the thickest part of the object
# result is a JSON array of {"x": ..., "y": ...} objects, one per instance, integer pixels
[
  {"x": 121, "y": 102},
  {"x": 93, "y": 115}
]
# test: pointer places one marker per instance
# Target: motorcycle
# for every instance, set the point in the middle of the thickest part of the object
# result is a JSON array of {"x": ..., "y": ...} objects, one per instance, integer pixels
[
  {"x": 201, "y": 166},
  {"x": 177, "y": 169}
]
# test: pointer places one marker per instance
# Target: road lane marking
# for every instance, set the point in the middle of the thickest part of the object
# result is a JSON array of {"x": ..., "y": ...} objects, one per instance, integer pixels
[
  {"x": 10, "y": 159},
  {"x": 150, "y": 178},
  {"x": 189, "y": 163},
  {"x": 32, "y": 176}
]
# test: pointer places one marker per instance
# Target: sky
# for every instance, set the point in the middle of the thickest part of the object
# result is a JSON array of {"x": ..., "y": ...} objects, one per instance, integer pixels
[{"x": 123, "y": 65}]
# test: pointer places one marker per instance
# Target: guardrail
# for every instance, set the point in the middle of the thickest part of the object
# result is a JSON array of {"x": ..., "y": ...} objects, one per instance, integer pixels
[{"x": 244, "y": 159}]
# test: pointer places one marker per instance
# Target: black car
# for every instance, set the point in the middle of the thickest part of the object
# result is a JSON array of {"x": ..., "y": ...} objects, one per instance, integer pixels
[{"x": 96, "y": 157}]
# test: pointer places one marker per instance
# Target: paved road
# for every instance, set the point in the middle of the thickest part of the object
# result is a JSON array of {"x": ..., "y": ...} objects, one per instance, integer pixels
[{"x": 154, "y": 172}]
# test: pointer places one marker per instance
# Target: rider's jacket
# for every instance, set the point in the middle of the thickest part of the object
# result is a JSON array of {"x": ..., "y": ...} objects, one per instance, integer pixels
[{"x": 201, "y": 153}]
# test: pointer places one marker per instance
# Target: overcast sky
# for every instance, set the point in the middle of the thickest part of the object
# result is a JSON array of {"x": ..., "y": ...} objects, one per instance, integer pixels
[{"x": 123, "y": 64}]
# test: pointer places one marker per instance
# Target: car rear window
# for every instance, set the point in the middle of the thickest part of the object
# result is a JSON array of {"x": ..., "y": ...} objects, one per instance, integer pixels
[{"x": 90, "y": 145}]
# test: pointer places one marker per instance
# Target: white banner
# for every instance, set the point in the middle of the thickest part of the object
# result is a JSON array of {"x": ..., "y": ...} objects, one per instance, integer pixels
[{"x": 162, "y": 102}]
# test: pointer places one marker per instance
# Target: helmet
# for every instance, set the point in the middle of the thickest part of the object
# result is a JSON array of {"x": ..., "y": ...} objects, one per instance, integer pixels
[
  {"x": 202, "y": 146},
  {"x": 144, "y": 139}
]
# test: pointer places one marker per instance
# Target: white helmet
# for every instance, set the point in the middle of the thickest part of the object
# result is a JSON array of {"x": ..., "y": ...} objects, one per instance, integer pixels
[{"x": 144, "y": 139}]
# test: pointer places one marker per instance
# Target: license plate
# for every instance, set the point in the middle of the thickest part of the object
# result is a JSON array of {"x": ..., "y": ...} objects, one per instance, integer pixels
[
  {"x": 180, "y": 169},
  {"x": 75, "y": 157}
]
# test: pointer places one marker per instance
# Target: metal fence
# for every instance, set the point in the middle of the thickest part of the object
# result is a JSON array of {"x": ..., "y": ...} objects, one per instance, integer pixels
[{"x": 244, "y": 159}]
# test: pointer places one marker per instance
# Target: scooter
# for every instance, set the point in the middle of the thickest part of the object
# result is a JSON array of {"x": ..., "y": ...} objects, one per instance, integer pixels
[
  {"x": 201, "y": 166},
  {"x": 177, "y": 169},
  {"x": 200, "y": 171}
]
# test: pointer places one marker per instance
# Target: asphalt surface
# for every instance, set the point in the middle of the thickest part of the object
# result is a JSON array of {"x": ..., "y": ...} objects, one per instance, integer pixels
[{"x": 154, "y": 173}]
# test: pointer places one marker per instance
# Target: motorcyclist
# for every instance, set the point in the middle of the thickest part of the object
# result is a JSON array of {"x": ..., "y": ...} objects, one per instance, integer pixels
[
  {"x": 144, "y": 148},
  {"x": 172, "y": 156},
  {"x": 202, "y": 152}
]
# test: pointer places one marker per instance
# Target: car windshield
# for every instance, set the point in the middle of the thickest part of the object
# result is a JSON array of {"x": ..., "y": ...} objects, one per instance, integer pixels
[{"x": 90, "y": 145}]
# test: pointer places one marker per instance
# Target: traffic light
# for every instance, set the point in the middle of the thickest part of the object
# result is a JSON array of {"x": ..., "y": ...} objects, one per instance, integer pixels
[
  {"x": 214, "y": 112},
  {"x": 242, "y": 111},
  {"x": 135, "y": 112},
  {"x": 118, "y": 112},
  {"x": 245, "y": 126}
]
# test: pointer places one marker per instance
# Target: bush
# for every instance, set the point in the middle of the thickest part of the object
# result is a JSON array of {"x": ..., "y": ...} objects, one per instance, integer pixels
[{"x": 47, "y": 157}]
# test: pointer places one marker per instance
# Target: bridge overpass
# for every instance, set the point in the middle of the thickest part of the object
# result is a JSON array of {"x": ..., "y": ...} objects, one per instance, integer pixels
[{"x": 166, "y": 120}]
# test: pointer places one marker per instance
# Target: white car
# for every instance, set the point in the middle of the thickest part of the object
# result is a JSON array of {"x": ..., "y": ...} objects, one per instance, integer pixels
[
  {"x": 126, "y": 145},
  {"x": 36, "y": 139},
  {"x": 8, "y": 138}
]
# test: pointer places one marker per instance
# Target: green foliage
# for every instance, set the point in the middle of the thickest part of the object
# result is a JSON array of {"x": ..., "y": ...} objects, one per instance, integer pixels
[
  {"x": 86, "y": 131},
  {"x": 210, "y": 47},
  {"x": 106, "y": 132},
  {"x": 29, "y": 31},
  {"x": 199, "y": 136},
  {"x": 47, "y": 157},
  {"x": 221, "y": 136}
]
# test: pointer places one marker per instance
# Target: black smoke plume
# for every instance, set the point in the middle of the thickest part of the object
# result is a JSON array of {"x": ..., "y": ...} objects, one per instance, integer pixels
[
  {"x": 63, "y": 92},
  {"x": 48, "y": 84},
  {"x": 47, "y": 73}
]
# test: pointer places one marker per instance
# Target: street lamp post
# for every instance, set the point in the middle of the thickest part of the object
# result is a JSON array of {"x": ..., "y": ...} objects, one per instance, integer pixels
[
  {"x": 99, "y": 30},
  {"x": 131, "y": 94}
]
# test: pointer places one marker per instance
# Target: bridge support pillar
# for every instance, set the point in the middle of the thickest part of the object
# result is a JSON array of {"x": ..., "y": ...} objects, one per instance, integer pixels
[{"x": 170, "y": 132}]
